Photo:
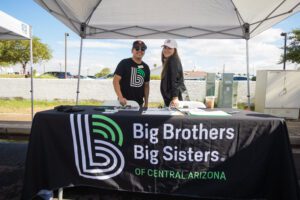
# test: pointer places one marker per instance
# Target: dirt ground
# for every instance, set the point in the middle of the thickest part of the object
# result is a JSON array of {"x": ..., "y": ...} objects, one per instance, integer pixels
[{"x": 15, "y": 117}]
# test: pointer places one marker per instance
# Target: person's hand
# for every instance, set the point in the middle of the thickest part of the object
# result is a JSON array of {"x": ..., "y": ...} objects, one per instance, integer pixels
[
  {"x": 123, "y": 101},
  {"x": 145, "y": 105},
  {"x": 174, "y": 103}
]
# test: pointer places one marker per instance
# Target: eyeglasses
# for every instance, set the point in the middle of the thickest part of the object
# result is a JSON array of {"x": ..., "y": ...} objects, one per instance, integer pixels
[{"x": 138, "y": 48}]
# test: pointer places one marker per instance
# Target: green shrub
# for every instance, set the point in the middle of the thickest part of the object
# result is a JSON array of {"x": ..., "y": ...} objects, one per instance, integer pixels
[
  {"x": 46, "y": 76},
  {"x": 244, "y": 106}
]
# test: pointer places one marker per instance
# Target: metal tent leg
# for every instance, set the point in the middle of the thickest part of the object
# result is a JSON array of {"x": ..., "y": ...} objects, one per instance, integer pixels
[
  {"x": 78, "y": 80},
  {"x": 31, "y": 77},
  {"x": 60, "y": 193},
  {"x": 248, "y": 81}
]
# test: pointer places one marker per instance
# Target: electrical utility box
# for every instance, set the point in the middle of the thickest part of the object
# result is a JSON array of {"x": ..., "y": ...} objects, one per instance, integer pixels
[
  {"x": 226, "y": 91},
  {"x": 210, "y": 84},
  {"x": 234, "y": 94},
  {"x": 277, "y": 92}
]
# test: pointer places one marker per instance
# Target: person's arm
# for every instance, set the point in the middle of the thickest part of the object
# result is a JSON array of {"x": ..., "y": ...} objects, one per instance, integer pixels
[
  {"x": 146, "y": 92},
  {"x": 116, "y": 83},
  {"x": 173, "y": 71}
]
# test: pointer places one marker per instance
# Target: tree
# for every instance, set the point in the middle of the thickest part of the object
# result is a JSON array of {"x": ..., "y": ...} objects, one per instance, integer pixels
[
  {"x": 18, "y": 51},
  {"x": 293, "y": 49},
  {"x": 103, "y": 72},
  {"x": 4, "y": 64}
]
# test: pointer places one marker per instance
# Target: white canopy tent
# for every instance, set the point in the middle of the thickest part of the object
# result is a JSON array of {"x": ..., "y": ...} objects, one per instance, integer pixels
[
  {"x": 178, "y": 19},
  {"x": 13, "y": 29}
]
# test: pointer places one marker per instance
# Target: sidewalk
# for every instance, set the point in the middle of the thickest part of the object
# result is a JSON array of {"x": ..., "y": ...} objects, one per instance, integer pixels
[
  {"x": 294, "y": 132},
  {"x": 15, "y": 123}
]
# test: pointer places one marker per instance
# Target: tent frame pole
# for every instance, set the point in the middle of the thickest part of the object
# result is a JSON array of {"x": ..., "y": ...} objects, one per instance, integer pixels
[
  {"x": 246, "y": 30},
  {"x": 60, "y": 193},
  {"x": 248, "y": 81},
  {"x": 31, "y": 74},
  {"x": 79, "y": 70}
]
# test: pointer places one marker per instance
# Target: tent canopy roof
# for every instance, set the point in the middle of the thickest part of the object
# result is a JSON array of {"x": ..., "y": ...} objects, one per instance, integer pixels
[
  {"x": 12, "y": 29},
  {"x": 115, "y": 19}
]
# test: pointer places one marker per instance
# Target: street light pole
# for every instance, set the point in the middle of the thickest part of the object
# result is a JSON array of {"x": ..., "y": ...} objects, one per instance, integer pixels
[
  {"x": 284, "y": 54},
  {"x": 66, "y": 35}
]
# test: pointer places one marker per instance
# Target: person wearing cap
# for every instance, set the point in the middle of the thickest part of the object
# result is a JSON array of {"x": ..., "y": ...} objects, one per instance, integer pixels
[
  {"x": 132, "y": 76},
  {"x": 172, "y": 81}
]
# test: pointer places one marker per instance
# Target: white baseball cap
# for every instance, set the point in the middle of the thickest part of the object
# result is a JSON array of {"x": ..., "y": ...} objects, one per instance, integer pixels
[{"x": 171, "y": 43}]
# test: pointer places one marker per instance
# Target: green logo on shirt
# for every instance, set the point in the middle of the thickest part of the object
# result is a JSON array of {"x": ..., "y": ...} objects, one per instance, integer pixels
[{"x": 141, "y": 72}]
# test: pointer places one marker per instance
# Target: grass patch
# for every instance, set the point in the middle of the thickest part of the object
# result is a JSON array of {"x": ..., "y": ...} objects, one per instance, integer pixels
[
  {"x": 155, "y": 77},
  {"x": 12, "y": 76},
  {"x": 46, "y": 76},
  {"x": 155, "y": 104},
  {"x": 244, "y": 106},
  {"x": 20, "y": 105}
]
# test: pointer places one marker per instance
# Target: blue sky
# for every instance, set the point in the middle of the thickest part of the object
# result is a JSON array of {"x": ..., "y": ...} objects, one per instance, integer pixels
[{"x": 206, "y": 55}]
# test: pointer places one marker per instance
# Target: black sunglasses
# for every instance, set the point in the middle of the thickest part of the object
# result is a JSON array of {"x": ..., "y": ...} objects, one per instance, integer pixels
[{"x": 138, "y": 48}]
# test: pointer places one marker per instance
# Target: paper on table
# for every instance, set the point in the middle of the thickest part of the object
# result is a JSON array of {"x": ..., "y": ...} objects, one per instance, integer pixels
[
  {"x": 127, "y": 108},
  {"x": 157, "y": 111},
  {"x": 109, "y": 111},
  {"x": 208, "y": 113},
  {"x": 189, "y": 109}
]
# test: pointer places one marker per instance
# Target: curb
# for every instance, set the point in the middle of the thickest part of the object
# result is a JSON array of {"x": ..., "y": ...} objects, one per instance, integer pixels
[{"x": 15, "y": 127}]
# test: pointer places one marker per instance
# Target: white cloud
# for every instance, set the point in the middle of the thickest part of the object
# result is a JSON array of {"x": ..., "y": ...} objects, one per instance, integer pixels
[
  {"x": 203, "y": 54},
  {"x": 212, "y": 55},
  {"x": 269, "y": 36}
]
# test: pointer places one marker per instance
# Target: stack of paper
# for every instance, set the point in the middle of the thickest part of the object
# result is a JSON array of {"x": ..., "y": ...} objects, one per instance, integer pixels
[
  {"x": 157, "y": 111},
  {"x": 127, "y": 108},
  {"x": 199, "y": 112}
]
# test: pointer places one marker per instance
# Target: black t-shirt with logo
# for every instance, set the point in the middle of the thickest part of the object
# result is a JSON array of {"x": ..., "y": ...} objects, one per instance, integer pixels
[{"x": 133, "y": 79}]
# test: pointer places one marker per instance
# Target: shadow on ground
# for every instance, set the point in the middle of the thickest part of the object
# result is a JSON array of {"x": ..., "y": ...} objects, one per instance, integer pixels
[{"x": 12, "y": 165}]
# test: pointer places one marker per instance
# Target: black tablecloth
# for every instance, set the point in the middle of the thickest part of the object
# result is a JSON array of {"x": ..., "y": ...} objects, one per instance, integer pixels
[{"x": 243, "y": 156}]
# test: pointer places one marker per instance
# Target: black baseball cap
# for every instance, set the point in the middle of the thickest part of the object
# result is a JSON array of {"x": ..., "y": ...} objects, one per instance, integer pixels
[{"x": 139, "y": 43}]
